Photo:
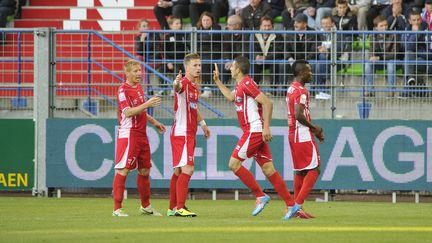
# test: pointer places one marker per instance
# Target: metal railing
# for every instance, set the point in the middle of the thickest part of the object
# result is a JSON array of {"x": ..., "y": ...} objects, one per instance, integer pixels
[{"x": 88, "y": 70}]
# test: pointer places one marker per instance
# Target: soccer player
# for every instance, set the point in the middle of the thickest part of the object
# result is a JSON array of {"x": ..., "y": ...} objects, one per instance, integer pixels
[
  {"x": 133, "y": 150},
  {"x": 183, "y": 133},
  {"x": 305, "y": 155},
  {"x": 254, "y": 112}
]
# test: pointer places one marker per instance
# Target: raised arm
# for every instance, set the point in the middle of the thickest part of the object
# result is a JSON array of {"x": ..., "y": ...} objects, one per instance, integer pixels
[{"x": 225, "y": 91}]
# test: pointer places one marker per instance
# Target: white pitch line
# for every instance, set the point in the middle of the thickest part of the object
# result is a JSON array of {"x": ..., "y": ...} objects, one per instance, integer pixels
[{"x": 286, "y": 228}]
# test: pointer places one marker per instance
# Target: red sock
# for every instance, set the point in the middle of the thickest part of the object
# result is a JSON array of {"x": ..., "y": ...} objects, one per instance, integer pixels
[
  {"x": 118, "y": 189},
  {"x": 143, "y": 185},
  {"x": 308, "y": 183},
  {"x": 173, "y": 189},
  {"x": 298, "y": 182},
  {"x": 248, "y": 179},
  {"x": 182, "y": 189},
  {"x": 281, "y": 188}
]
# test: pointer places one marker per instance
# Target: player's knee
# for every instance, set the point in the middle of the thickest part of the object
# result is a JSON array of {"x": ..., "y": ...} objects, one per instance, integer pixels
[
  {"x": 234, "y": 165},
  {"x": 268, "y": 169},
  {"x": 144, "y": 172},
  {"x": 187, "y": 170},
  {"x": 123, "y": 172}
]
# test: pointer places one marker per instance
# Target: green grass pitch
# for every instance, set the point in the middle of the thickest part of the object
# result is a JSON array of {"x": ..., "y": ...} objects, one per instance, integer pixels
[{"x": 25, "y": 219}]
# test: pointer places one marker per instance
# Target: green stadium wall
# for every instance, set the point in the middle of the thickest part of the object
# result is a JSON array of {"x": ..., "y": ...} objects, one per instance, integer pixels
[
  {"x": 17, "y": 154},
  {"x": 357, "y": 154}
]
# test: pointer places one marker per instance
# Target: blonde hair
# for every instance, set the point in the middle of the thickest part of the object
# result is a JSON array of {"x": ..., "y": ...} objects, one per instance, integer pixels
[{"x": 129, "y": 64}]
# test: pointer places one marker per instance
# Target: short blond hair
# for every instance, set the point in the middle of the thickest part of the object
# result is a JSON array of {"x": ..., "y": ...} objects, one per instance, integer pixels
[
  {"x": 129, "y": 64},
  {"x": 189, "y": 57}
]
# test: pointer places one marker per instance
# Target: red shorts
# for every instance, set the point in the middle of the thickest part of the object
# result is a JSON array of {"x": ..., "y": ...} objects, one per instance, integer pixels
[
  {"x": 252, "y": 145},
  {"x": 133, "y": 152},
  {"x": 183, "y": 149},
  {"x": 305, "y": 155}
]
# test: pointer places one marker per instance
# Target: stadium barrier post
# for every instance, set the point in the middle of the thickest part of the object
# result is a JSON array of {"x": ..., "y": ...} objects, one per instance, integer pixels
[
  {"x": 236, "y": 195},
  {"x": 214, "y": 195},
  {"x": 393, "y": 197},
  {"x": 125, "y": 194},
  {"x": 44, "y": 66},
  {"x": 416, "y": 197}
]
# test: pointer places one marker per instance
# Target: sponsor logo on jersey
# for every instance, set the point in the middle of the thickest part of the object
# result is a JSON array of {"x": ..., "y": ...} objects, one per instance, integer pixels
[
  {"x": 238, "y": 99},
  {"x": 239, "y": 108},
  {"x": 193, "y": 105}
]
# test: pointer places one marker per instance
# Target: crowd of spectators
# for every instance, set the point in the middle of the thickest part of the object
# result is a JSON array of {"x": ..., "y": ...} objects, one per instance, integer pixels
[{"x": 275, "y": 52}]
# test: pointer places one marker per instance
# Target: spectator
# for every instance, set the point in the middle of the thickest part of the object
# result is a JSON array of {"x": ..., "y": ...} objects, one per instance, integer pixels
[
  {"x": 209, "y": 48},
  {"x": 252, "y": 14},
  {"x": 267, "y": 47},
  {"x": 234, "y": 45},
  {"x": 147, "y": 48},
  {"x": 164, "y": 8},
  {"x": 375, "y": 9},
  {"x": 299, "y": 46},
  {"x": 383, "y": 48},
  {"x": 344, "y": 19},
  {"x": 324, "y": 42},
  {"x": 427, "y": 14},
  {"x": 174, "y": 49},
  {"x": 317, "y": 11},
  {"x": 416, "y": 49},
  {"x": 396, "y": 19},
  {"x": 197, "y": 7},
  {"x": 293, "y": 7},
  {"x": 220, "y": 9},
  {"x": 360, "y": 8}
]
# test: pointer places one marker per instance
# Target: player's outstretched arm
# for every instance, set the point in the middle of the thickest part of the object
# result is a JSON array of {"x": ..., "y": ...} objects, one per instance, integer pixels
[
  {"x": 156, "y": 124},
  {"x": 225, "y": 91},
  {"x": 267, "y": 115},
  {"x": 133, "y": 111}
]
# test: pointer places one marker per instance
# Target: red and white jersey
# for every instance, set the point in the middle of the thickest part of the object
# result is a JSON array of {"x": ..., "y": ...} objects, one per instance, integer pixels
[
  {"x": 298, "y": 94},
  {"x": 129, "y": 97},
  {"x": 249, "y": 111},
  {"x": 186, "y": 109}
]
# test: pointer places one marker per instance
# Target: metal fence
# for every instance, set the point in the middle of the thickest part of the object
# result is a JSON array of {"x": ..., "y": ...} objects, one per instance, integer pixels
[{"x": 349, "y": 81}]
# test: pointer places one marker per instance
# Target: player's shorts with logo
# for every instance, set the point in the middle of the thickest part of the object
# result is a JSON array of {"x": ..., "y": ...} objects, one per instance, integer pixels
[
  {"x": 252, "y": 145},
  {"x": 305, "y": 155},
  {"x": 183, "y": 148},
  {"x": 133, "y": 152}
]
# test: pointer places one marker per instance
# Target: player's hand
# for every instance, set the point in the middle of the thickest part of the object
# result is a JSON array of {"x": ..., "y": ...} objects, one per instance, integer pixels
[
  {"x": 177, "y": 81},
  {"x": 216, "y": 73},
  {"x": 154, "y": 101},
  {"x": 206, "y": 131},
  {"x": 178, "y": 77},
  {"x": 319, "y": 133},
  {"x": 160, "y": 127},
  {"x": 267, "y": 136}
]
